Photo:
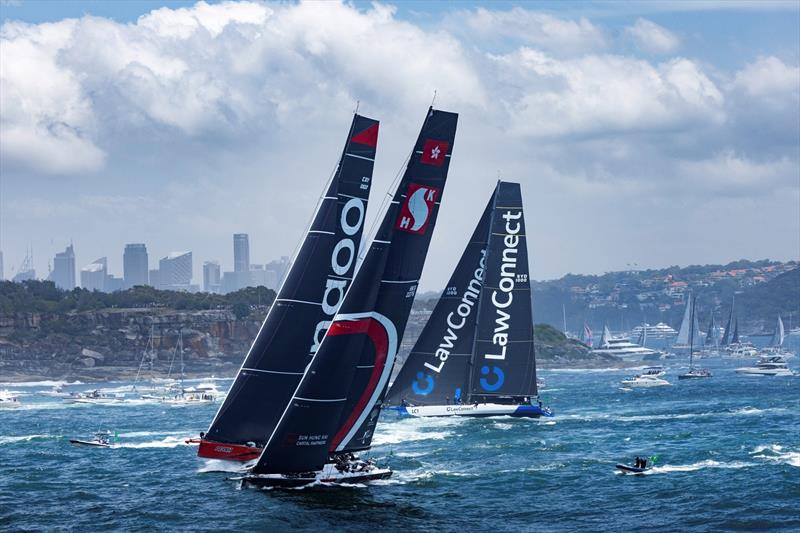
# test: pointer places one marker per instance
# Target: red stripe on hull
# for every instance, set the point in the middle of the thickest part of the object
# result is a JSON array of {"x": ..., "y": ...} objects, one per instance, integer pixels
[{"x": 228, "y": 452}]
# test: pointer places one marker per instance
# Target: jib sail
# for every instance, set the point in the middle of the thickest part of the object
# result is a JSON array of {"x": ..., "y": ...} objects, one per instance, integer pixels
[
  {"x": 336, "y": 405},
  {"x": 306, "y": 302},
  {"x": 436, "y": 370}
]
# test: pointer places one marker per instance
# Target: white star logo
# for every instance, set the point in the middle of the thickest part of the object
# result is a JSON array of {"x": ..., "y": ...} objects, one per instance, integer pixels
[{"x": 435, "y": 152}]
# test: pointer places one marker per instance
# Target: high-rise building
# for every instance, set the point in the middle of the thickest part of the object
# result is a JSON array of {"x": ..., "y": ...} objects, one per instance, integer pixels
[
  {"x": 135, "y": 265},
  {"x": 241, "y": 252},
  {"x": 63, "y": 274},
  {"x": 279, "y": 269},
  {"x": 175, "y": 271},
  {"x": 155, "y": 278},
  {"x": 2, "y": 276},
  {"x": 211, "y": 276},
  {"x": 93, "y": 275},
  {"x": 26, "y": 270}
]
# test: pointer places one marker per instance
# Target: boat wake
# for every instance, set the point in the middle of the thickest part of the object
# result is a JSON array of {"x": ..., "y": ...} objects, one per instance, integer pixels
[
  {"x": 24, "y": 438},
  {"x": 775, "y": 453},
  {"x": 167, "y": 442},
  {"x": 414, "y": 430},
  {"x": 708, "y": 463},
  {"x": 218, "y": 465}
]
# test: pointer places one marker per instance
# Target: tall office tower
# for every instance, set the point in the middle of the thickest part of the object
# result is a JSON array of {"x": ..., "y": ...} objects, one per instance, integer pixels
[
  {"x": 211, "y": 276},
  {"x": 135, "y": 265},
  {"x": 175, "y": 271},
  {"x": 241, "y": 252},
  {"x": 63, "y": 274},
  {"x": 2, "y": 277},
  {"x": 93, "y": 275}
]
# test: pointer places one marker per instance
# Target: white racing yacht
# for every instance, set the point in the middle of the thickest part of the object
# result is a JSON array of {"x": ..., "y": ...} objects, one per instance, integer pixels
[
  {"x": 767, "y": 366},
  {"x": 475, "y": 356}
]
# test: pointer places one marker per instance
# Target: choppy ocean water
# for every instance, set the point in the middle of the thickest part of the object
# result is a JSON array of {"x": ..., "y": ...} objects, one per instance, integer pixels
[{"x": 728, "y": 459}]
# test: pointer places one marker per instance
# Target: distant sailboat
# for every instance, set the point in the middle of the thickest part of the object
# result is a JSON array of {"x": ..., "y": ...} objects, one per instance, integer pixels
[
  {"x": 726, "y": 336},
  {"x": 693, "y": 372},
  {"x": 475, "y": 356},
  {"x": 588, "y": 339},
  {"x": 682, "y": 341},
  {"x": 776, "y": 343},
  {"x": 333, "y": 411},
  {"x": 303, "y": 309}
]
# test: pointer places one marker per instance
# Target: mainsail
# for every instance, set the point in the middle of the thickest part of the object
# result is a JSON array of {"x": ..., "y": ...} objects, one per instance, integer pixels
[
  {"x": 735, "y": 336},
  {"x": 588, "y": 339},
  {"x": 336, "y": 405},
  {"x": 437, "y": 367},
  {"x": 778, "y": 336},
  {"x": 683, "y": 333},
  {"x": 504, "y": 361},
  {"x": 306, "y": 302}
]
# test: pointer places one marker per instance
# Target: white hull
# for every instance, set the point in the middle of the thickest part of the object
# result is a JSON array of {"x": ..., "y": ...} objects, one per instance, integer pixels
[
  {"x": 644, "y": 383},
  {"x": 755, "y": 371},
  {"x": 481, "y": 409}
]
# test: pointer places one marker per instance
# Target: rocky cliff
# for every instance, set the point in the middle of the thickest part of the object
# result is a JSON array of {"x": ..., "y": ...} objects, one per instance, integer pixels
[{"x": 105, "y": 344}]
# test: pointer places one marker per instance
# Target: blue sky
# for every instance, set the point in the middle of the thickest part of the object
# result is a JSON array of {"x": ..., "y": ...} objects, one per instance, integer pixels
[{"x": 653, "y": 133}]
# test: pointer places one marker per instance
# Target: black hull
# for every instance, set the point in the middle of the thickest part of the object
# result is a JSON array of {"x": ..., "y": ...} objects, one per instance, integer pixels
[
  {"x": 296, "y": 482},
  {"x": 632, "y": 469}
]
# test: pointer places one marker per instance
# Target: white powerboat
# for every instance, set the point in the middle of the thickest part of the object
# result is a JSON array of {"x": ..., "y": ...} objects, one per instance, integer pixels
[
  {"x": 643, "y": 381},
  {"x": 767, "y": 366},
  {"x": 623, "y": 348},
  {"x": 8, "y": 400},
  {"x": 94, "y": 397},
  {"x": 743, "y": 350},
  {"x": 101, "y": 439}
]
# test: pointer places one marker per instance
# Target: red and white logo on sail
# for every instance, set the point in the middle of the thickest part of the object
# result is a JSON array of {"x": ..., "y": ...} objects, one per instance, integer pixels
[
  {"x": 433, "y": 152},
  {"x": 417, "y": 208}
]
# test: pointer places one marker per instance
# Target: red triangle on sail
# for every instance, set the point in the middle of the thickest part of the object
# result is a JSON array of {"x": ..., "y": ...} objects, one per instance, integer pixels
[{"x": 369, "y": 136}]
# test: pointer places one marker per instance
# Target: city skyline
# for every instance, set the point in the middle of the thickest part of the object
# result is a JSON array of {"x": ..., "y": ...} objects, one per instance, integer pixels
[{"x": 145, "y": 142}]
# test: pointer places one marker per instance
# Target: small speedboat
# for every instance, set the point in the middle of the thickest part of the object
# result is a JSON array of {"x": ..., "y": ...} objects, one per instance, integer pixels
[
  {"x": 627, "y": 469},
  {"x": 8, "y": 400},
  {"x": 643, "y": 381},
  {"x": 101, "y": 439},
  {"x": 94, "y": 396}
]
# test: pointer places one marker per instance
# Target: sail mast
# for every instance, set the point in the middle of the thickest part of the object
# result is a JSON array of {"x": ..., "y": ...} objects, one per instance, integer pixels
[
  {"x": 487, "y": 256},
  {"x": 691, "y": 333}
]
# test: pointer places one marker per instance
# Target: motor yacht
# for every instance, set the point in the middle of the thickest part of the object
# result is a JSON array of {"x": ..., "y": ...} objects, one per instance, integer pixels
[
  {"x": 8, "y": 400},
  {"x": 767, "y": 366},
  {"x": 644, "y": 381}
]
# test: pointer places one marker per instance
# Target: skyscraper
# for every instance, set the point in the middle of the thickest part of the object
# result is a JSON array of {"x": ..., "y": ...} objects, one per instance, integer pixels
[
  {"x": 63, "y": 274},
  {"x": 211, "y": 277},
  {"x": 135, "y": 265},
  {"x": 175, "y": 271},
  {"x": 93, "y": 275},
  {"x": 241, "y": 252}
]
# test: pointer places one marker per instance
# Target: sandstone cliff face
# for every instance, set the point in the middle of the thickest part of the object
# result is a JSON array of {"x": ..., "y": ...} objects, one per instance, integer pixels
[{"x": 69, "y": 345}]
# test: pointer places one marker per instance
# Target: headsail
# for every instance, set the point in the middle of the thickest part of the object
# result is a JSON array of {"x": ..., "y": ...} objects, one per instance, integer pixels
[
  {"x": 726, "y": 336},
  {"x": 336, "y": 405},
  {"x": 437, "y": 367},
  {"x": 306, "y": 302},
  {"x": 504, "y": 362},
  {"x": 778, "y": 336},
  {"x": 711, "y": 333},
  {"x": 604, "y": 338}
]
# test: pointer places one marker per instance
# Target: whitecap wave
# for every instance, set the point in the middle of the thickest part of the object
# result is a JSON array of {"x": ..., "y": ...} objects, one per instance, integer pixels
[
  {"x": 775, "y": 453},
  {"x": 218, "y": 465},
  {"x": 11, "y": 439}
]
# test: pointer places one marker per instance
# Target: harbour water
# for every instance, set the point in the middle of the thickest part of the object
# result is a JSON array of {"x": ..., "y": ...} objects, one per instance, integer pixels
[{"x": 728, "y": 458}]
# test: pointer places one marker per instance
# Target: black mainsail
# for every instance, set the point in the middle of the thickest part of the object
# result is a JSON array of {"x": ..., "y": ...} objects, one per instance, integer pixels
[
  {"x": 727, "y": 335},
  {"x": 437, "y": 367},
  {"x": 504, "y": 361},
  {"x": 304, "y": 308},
  {"x": 337, "y": 402}
]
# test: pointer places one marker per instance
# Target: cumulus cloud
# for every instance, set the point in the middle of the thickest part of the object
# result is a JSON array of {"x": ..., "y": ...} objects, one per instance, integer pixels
[
  {"x": 542, "y": 30},
  {"x": 211, "y": 70},
  {"x": 653, "y": 38},
  {"x": 598, "y": 94}
]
